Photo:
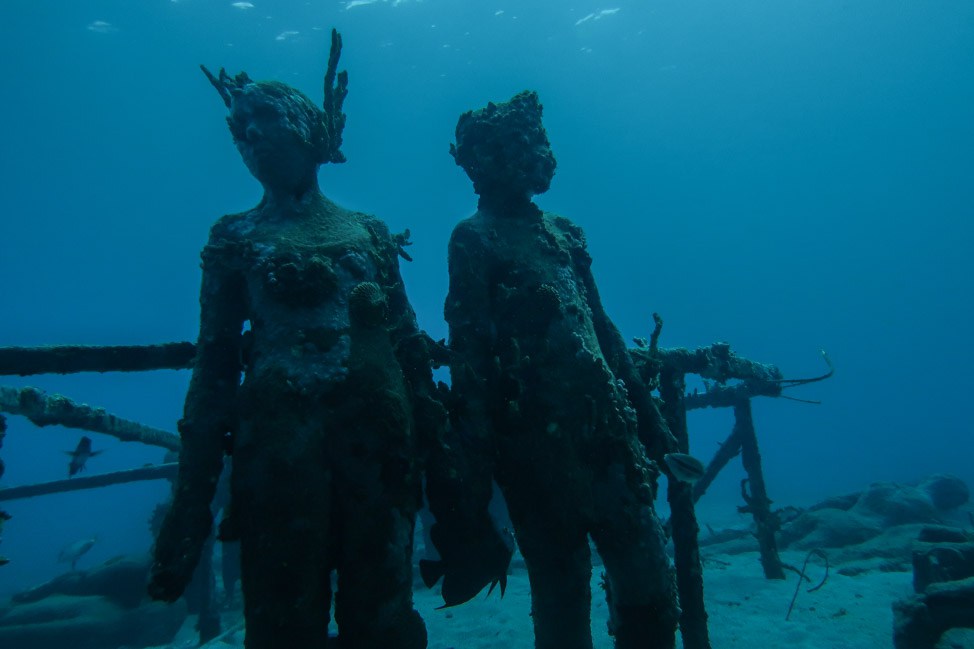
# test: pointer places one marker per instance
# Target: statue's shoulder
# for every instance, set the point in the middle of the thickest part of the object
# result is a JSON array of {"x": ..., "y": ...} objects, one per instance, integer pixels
[
  {"x": 228, "y": 244},
  {"x": 232, "y": 228},
  {"x": 565, "y": 229},
  {"x": 372, "y": 223},
  {"x": 472, "y": 228}
]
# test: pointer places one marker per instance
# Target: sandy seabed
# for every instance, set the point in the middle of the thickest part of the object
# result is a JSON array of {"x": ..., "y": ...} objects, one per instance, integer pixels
[{"x": 745, "y": 610}]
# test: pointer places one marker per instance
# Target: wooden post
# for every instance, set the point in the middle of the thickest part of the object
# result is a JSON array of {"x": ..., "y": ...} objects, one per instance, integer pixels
[
  {"x": 727, "y": 451},
  {"x": 757, "y": 502},
  {"x": 683, "y": 521}
]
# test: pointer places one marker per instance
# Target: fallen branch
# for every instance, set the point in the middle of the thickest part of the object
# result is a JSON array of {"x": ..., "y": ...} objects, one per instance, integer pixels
[
  {"x": 157, "y": 472},
  {"x": 801, "y": 575},
  {"x": 46, "y": 410},
  {"x": 68, "y": 359}
]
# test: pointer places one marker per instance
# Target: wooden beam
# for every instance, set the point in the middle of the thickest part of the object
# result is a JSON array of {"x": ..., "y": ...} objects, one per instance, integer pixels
[
  {"x": 156, "y": 472},
  {"x": 46, "y": 410},
  {"x": 68, "y": 359}
]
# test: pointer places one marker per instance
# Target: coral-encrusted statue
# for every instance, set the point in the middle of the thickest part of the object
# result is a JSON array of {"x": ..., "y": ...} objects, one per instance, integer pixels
[
  {"x": 337, "y": 410},
  {"x": 544, "y": 384}
]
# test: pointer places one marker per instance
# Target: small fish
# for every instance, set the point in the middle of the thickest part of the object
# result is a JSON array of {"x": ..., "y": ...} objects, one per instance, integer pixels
[
  {"x": 243, "y": 5},
  {"x": 71, "y": 553},
  {"x": 80, "y": 456},
  {"x": 685, "y": 468}
]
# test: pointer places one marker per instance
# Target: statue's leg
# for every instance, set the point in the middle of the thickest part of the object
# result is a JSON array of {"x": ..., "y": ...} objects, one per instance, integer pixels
[
  {"x": 377, "y": 495},
  {"x": 374, "y": 603},
  {"x": 281, "y": 509},
  {"x": 230, "y": 568},
  {"x": 555, "y": 548},
  {"x": 629, "y": 537}
]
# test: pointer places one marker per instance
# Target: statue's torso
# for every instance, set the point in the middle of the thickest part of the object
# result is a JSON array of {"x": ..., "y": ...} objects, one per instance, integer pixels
[
  {"x": 550, "y": 373},
  {"x": 538, "y": 297},
  {"x": 297, "y": 273}
]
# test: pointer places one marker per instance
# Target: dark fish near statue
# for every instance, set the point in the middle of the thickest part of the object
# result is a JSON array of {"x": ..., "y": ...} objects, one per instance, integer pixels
[
  {"x": 80, "y": 456},
  {"x": 466, "y": 567}
]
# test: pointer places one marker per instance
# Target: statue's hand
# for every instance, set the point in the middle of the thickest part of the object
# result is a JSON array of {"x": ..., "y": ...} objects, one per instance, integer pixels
[
  {"x": 470, "y": 560},
  {"x": 173, "y": 565},
  {"x": 166, "y": 584}
]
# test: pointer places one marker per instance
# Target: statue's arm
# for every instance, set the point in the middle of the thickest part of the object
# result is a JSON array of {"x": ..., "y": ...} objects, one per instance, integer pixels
[
  {"x": 653, "y": 431},
  {"x": 208, "y": 416},
  {"x": 448, "y": 463},
  {"x": 474, "y": 552},
  {"x": 468, "y": 314}
]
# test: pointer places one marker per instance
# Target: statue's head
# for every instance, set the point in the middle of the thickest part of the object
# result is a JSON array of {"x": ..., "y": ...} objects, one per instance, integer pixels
[
  {"x": 505, "y": 150},
  {"x": 282, "y": 135}
]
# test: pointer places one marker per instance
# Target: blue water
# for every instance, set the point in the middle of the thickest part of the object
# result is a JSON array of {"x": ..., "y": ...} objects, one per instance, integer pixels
[{"x": 786, "y": 176}]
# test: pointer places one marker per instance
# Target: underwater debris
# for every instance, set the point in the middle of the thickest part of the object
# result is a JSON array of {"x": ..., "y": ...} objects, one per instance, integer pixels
[
  {"x": 943, "y": 585},
  {"x": 801, "y": 575},
  {"x": 717, "y": 365}
]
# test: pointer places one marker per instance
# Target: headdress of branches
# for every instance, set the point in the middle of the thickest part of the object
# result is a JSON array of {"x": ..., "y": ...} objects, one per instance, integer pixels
[{"x": 330, "y": 117}]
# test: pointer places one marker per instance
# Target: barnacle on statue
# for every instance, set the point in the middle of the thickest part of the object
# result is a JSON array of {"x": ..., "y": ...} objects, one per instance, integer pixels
[{"x": 367, "y": 305}]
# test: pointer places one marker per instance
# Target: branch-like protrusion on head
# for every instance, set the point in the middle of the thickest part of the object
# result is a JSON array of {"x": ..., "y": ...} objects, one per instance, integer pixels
[
  {"x": 220, "y": 88},
  {"x": 335, "y": 93},
  {"x": 225, "y": 84}
]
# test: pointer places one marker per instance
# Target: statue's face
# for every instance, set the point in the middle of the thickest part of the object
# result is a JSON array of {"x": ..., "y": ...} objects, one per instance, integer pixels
[
  {"x": 274, "y": 134},
  {"x": 504, "y": 148}
]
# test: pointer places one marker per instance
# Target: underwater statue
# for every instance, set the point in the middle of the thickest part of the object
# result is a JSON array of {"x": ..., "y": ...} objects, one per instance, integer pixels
[
  {"x": 544, "y": 386},
  {"x": 337, "y": 411}
]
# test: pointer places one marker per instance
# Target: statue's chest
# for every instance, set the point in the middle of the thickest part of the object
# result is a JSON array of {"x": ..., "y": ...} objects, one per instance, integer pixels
[
  {"x": 308, "y": 277},
  {"x": 525, "y": 263}
]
